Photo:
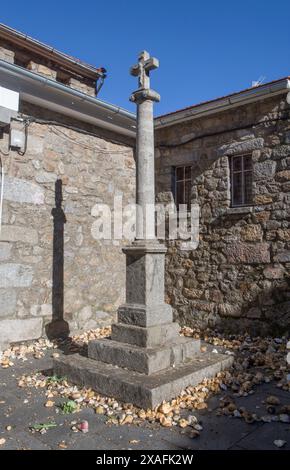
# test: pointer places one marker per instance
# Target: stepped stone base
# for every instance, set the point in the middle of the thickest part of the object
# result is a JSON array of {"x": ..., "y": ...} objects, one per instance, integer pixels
[
  {"x": 146, "y": 361},
  {"x": 140, "y": 389},
  {"x": 143, "y": 360}
]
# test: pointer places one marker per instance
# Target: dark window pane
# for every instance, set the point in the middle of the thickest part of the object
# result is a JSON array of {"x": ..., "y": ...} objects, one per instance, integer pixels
[
  {"x": 179, "y": 173},
  {"x": 237, "y": 189},
  {"x": 188, "y": 172},
  {"x": 247, "y": 163},
  {"x": 179, "y": 193},
  {"x": 188, "y": 194},
  {"x": 237, "y": 163},
  {"x": 241, "y": 180},
  {"x": 248, "y": 187}
]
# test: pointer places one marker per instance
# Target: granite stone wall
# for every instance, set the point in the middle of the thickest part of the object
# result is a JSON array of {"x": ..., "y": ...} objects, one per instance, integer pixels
[
  {"x": 55, "y": 276},
  {"x": 238, "y": 277}
]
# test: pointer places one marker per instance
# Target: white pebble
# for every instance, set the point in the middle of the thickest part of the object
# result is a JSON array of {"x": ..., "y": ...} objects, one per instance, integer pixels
[
  {"x": 284, "y": 418},
  {"x": 279, "y": 443},
  {"x": 198, "y": 427}
]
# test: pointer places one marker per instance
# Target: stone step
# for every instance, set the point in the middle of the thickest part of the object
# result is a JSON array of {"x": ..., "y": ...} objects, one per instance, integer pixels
[
  {"x": 131, "y": 387},
  {"x": 143, "y": 360},
  {"x": 150, "y": 337}
]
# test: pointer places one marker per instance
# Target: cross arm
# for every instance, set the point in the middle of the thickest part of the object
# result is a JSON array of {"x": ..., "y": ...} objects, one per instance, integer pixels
[
  {"x": 151, "y": 64},
  {"x": 135, "y": 70}
]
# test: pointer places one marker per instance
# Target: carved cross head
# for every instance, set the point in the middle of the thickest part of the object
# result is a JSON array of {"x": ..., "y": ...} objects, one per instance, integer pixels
[{"x": 142, "y": 69}]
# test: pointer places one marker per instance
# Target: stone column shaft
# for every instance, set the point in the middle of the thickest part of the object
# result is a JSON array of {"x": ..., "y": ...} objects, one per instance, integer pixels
[{"x": 145, "y": 193}]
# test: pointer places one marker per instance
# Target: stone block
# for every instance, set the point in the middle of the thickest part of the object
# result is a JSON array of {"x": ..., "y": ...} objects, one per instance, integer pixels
[
  {"x": 7, "y": 302},
  {"x": 82, "y": 87},
  {"x": 281, "y": 151},
  {"x": 12, "y": 331},
  {"x": 145, "y": 275},
  {"x": 5, "y": 250},
  {"x": 283, "y": 256},
  {"x": 15, "y": 275},
  {"x": 132, "y": 387},
  {"x": 143, "y": 360},
  {"x": 262, "y": 199},
  {"x": 7, "y": 55},
  {"x": 151, "y": 337},
  {"x": 14, "y": 233},
  {"x": 229, "y": 310},
  {"x": 45, "y": 177},
  {"x": 262, "y": 217},
  {"x": 284, "y": 234},
  {"x": 101, "y": 315},
  {"x": 252, "y": 232},
  {"x": 35, "y": 146},
  {"x": 19, "y": 190},
  {"x": 247, "y": 253},
  {"x": 139, "y": 315},
  {"x": 264, "y": 169},
  {"x": 46, "y": 310},
  {"x": 192, "y": 293},
  {"x": 274, "y": 272},
  {"x": 42, "y": 70},
  {"x": 241, "y": 147},
  {"x": 254, "y": 313},
  {"x": 85, "y": 314},
  {"x": 283, "y": 175}
]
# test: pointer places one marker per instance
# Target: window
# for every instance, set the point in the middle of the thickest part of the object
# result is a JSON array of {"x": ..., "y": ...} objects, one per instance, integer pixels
[
  {"x": 241, "y": 180},
  {"x": 182, "y": 186}
]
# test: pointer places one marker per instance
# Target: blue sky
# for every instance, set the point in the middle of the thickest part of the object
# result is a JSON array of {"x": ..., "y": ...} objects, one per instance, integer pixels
[{"x": 206, "y": 48}]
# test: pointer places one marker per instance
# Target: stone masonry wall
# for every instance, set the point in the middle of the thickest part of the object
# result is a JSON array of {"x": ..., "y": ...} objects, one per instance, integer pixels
[
  {"x": 238, "y": 277},
  {"x": 26, "y": 58},
  {"x": 51, "y": 266}
]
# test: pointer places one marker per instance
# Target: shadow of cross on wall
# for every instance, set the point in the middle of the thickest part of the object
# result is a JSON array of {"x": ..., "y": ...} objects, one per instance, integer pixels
[{"x": 58, "y": 327}]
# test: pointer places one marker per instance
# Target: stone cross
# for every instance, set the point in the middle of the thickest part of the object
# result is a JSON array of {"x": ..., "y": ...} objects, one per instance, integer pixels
[
  {"x": 144, "y": 97},
  {"x": 142, "y": 69},
  {"x": 145, "y": 361}
]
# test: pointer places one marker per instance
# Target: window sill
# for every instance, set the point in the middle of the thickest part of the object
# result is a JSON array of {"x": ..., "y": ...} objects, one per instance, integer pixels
[{"x": 240, "y": 210}]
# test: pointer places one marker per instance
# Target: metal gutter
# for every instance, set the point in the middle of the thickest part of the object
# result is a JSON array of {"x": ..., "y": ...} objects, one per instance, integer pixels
[
  {"x": 58, "y": 97},
  {"x": 225, "y": 103},
  {"x": 23, "y": 40}
]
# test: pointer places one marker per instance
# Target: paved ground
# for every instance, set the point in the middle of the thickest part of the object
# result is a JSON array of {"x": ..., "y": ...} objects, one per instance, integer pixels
[{"x": 21, "y": 408}]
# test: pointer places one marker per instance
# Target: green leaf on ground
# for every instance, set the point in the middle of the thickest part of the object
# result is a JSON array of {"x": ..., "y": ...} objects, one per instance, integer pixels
[
  {"x": 54, "y": 379},
  {"x": 68, "y": 407},
  {"x": 41, "y": 426}
]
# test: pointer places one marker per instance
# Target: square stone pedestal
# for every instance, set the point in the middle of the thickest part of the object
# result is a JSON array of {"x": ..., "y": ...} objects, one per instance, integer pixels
[{"x": 145, "y": 361}]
